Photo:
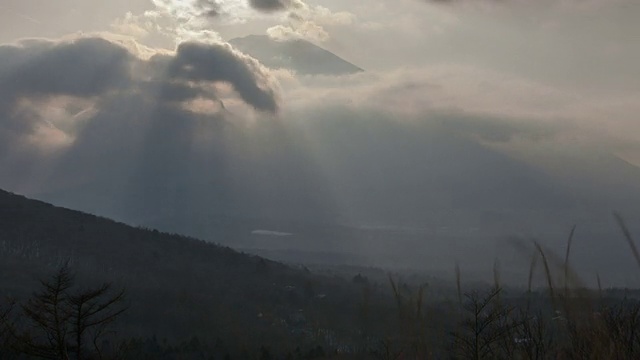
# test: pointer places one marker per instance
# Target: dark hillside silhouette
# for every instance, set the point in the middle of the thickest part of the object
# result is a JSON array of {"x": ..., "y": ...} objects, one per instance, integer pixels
[{"x": 177, "y": 287}]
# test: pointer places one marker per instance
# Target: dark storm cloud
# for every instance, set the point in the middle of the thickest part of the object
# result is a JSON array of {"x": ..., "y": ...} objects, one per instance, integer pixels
[
  {"x": 41, "y": 69},
  {"x": 95, "y": 68},
  {"x": 83, "y": 68},
  {"x": 138, "y": 135},
  {"x": 86, "y": 67},
  {"x": 202, "y": 62},
  {"x": 208, "y": 8},
  {"x": 269, "y": 5}
]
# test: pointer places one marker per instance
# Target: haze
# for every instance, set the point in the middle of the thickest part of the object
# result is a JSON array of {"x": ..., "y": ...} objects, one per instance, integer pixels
[{"x": 473, "y": 125}]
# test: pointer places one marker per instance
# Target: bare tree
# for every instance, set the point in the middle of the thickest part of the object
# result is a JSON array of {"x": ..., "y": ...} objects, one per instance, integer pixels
[
  {"x": 61, "y": 324},
  {"x": 534, "y": 336},
  {"x": 622, "y": 329},
  {"x": 48, "y": 315},
  {"x": 91, "y": 311},
  {"x": 486, "y": 329},
  {"x": 5, "y": 322}
]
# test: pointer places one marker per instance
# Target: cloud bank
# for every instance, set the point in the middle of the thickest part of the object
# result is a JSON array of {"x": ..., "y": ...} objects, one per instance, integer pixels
[{"x": 52, "y": 91}]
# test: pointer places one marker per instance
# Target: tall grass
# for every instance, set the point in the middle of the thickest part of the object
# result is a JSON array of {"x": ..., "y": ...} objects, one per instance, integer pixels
[{"x": 578, "y": 323}]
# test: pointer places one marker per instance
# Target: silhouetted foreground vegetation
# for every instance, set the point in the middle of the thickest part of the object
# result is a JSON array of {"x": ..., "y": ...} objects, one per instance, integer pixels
[
  {"x": 58, "y": 322},
  {"x": 187, "y": 299}
]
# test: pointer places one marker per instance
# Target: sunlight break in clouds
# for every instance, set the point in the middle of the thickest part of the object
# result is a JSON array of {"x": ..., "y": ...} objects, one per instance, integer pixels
[
  {"x": 305, "y": 22},
  {"x": 182, "y": 20}
]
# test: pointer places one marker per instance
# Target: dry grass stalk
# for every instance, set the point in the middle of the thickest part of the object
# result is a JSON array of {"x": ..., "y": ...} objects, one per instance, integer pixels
[{"x": 627, "y": 236}]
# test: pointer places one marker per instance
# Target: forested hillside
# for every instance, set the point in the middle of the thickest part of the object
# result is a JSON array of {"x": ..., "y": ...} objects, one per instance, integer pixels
[
  {"x": 177, "y": 288},
  {"x": 188, "y": 299}
]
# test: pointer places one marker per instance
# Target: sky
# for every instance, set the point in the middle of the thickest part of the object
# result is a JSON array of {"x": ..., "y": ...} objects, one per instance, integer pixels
[
  {"x": 569, "y": 62},
  {"x": 514, "y": 111}
]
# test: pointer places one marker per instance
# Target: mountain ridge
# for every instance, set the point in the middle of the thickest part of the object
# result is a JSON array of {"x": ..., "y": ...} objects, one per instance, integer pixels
[{"x": 300, "y": 55}]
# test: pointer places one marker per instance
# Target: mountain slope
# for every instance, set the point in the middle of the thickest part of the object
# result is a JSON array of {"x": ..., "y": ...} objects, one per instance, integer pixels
[
  {"x": 298, "y": 55},
  {"x": 177, "y": 287}
]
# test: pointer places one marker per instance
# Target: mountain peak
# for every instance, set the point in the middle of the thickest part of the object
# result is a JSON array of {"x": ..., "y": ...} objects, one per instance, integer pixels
[{"x": 299, "y": 55}]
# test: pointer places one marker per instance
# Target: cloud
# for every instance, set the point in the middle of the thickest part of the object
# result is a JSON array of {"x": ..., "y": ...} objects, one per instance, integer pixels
[
  {"x": 309, "y": 22},
  {"x": 176, "y": 21},
  {"x": 35, "y": 71},
  {"x": 89, "y": 113},
  {"x": 455, "y": 129},
  {"x": 429, "y": 146},
  {"x": 145, "y": 125},
  {"x": 84, "y": 73},
  {"x": 86, "y": 67},
  {"x": 196, "y": 20},
  {"x": 189, "y": 10},
  {"x": 271, "y": 5},
  {"x": 307, "y": 30},
  {"x": 133, "y": 26},
  {"x": 200, "y": 62}
]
